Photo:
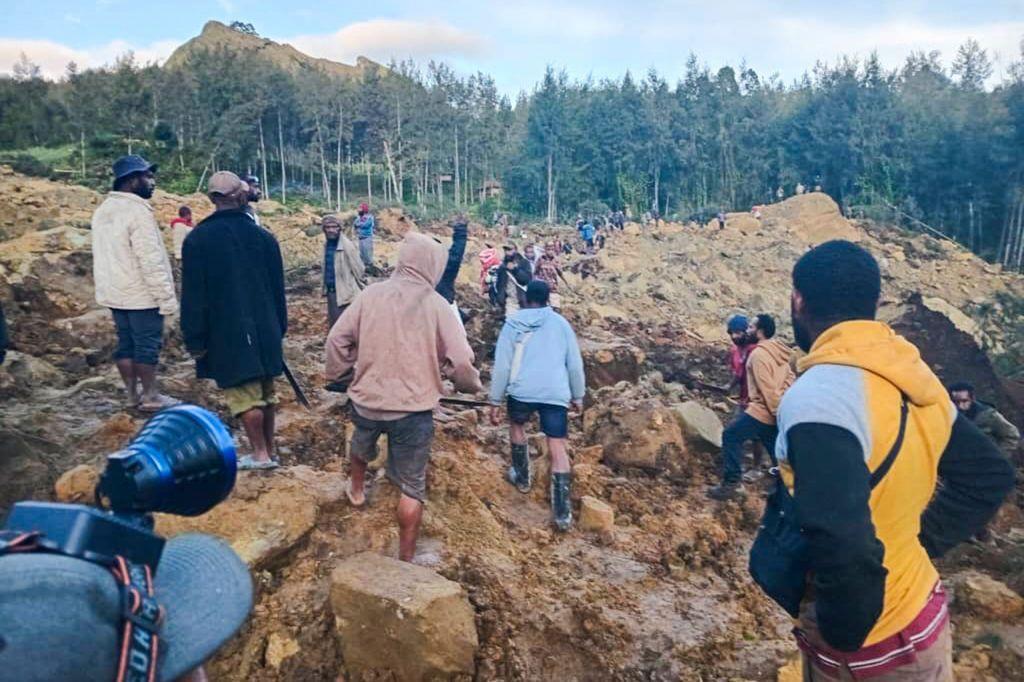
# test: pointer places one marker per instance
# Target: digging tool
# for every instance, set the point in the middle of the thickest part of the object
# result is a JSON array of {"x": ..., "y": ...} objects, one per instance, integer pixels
[
  {"x": 468, "y": 402},
  {"x": 299, "y": 395}
]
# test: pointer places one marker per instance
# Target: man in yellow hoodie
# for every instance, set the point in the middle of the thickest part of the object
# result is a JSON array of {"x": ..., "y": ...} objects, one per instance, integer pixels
[
  {"x": 865, "y": 435},
  {"x": 769, "y": 374}
]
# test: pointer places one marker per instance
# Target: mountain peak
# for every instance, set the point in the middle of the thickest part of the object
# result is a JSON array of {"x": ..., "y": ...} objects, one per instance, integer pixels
[{"x": 216, "y": 35}]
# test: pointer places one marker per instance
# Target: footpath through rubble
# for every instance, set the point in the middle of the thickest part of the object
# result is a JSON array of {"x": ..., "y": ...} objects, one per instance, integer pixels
[{"x": 651, "y": 584}]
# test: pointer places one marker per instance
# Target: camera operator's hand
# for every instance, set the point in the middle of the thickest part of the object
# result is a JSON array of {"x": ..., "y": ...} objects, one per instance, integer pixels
[{"x": 495, "y": 414}]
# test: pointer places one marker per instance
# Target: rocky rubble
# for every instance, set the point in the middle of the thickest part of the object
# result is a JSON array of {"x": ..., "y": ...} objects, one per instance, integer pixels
[{"x": 651, "y": 585}]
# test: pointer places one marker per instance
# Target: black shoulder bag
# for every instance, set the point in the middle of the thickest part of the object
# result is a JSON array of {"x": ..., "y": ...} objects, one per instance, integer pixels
[{"x": 778, "y": 558}]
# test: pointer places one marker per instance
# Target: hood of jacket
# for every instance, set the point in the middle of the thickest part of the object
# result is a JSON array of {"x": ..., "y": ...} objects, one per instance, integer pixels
[
  {"x": 875, "y": 347},
  {"x": 777, "y": 350},
  {"x": 421, "y": 259},
  {"x": 530, "y": 319}
]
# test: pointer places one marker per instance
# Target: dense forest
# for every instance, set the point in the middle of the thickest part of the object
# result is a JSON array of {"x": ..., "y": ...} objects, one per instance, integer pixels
[{"x": 932, "y": 145}]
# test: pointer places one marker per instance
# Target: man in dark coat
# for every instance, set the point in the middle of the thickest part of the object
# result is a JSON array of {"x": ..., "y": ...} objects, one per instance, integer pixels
[
  {"x": 233, "y": 313},
  {"x": 515, "y": 273}
]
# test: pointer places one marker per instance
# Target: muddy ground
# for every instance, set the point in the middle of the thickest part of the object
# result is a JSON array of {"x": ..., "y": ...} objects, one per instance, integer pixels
[{"x": 664, "y": 594}]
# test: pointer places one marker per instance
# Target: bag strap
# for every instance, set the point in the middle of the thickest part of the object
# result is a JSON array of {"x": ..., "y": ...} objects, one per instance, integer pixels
[
  {"x": 517, "y": 356},
  {"x": 878, "y": 474}
]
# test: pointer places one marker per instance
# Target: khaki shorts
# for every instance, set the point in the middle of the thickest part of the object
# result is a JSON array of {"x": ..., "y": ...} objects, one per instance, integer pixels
[{"x": 255, "y": 393}]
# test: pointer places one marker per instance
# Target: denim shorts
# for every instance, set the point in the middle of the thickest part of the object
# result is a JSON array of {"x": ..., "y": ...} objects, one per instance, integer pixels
[
  {"x": 554, "y": 419},
  {"x": 139, "y": 335}
]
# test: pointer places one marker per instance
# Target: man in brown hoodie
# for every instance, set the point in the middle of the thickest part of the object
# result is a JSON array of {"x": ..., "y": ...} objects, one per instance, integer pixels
[
  {"x": 399, "y": 337},
  {"x": 769, "y": 374}
]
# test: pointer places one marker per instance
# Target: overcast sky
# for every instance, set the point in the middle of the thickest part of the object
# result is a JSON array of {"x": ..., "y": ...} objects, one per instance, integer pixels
[{"x": 514, "y": 41}]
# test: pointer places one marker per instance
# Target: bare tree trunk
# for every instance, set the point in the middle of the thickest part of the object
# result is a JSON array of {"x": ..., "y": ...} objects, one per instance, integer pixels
[
  {"x": 391, "y": 169},
  {"x": 551, "y": 188},
  {"x": 337, "y": 162},
  {"x": 400, "y": 180},
  {"x": 280, "y": 151},
  {"x": 263, "y": 157},
  {"x": 81, "y": 142},
  {"x": 369, "y": 186},
  {"x": 458, "y": 183},
  {"x": 1019, "y": 259},
  {"x": 325, "y": 181}
]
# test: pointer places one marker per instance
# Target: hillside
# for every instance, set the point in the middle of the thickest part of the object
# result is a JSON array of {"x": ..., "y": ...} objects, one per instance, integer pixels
[
  {"x": 216, "y": 35},
  {"x": 661, "y": 593}
]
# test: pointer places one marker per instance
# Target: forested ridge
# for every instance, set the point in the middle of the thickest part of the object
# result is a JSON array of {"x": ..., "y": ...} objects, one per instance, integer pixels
[{"x": 931, "y": 144}]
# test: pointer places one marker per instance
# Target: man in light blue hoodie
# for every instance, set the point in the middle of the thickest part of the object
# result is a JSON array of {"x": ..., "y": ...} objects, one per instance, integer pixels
[{"x": 538, "y": 367}]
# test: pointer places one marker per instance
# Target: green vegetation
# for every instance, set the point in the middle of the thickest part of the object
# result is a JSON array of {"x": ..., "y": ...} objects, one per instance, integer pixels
[{"x": 927, "y": 143}]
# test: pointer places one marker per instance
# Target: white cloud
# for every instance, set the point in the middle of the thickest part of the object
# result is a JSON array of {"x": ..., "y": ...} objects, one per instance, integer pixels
[
  {"x": 228, "y": 6},
  {"x": 811, "y": 39},
  {"x": 562, "y": 21},
  {"x": 382, "y": 39},
  {"x": 53, "y": 58}
]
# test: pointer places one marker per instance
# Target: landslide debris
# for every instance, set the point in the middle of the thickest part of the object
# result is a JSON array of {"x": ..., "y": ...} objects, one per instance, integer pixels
[{"x": 653, "y": 582}]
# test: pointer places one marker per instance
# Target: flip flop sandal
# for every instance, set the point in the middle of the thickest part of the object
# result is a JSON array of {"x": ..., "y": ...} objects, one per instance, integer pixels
[
  {"x": 162, "y": 402},
  {"x": 247, "y": 463},
  {"x": 348, "y": 495}
]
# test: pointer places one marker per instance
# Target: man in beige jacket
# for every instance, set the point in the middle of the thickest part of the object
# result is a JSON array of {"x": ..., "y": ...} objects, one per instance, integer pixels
[
  {"x": 344, "y": 270},
  {"x": 398, "y": 337},
  {"x": 769, "y": 374},
  {"x": 133, "y": 278}
]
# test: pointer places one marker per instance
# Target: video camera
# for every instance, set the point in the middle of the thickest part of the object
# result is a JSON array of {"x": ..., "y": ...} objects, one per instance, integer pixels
[{"x": 181, "y": 462}]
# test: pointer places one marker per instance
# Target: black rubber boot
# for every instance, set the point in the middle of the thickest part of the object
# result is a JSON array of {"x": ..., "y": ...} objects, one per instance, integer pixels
[
  {"x": 561, "y": 505},
  {"x": 519, "y": 472}
]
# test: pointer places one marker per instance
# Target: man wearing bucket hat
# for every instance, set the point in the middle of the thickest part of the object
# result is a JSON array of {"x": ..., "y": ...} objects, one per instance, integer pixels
[
  {"x": 64, "y": 618},
  {"x": 132, "y": 274}
]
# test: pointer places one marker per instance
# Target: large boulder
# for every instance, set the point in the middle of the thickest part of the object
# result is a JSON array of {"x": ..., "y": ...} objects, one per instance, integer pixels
[
  {"x": 29, "y": 465},
  {"x": 643, "y": 435},
  {"x": 700, "y": 423},
  {"x": 395, "y": 619},
  {"x": 986, "y": 597},
  {"x": 267, "y": 516},
  {"x": 606, "y": 364}
]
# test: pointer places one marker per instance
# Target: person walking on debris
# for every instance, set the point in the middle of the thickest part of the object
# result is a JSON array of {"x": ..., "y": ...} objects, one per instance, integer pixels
[
  {"x": 769, "y": 374},
  {"x": 533, "y": 256},
  {"x": 456, "y": 252},
  {"x": 587, "y": 232},
  {"x": 538, "y": 368},
  {"x": 180, "y": 227},
  {"x": 489, "y": 265},
  {"x": 865, "y": 435},
  {"x": 986, "y": 417},
  {"x": 364, "y": 225},
  {"x": 549, "y": 271},
  {"x": 344, "y": 272},
  {"x": 513, "y": 277},
  {"x": 721, "y": 220},
  {"x": 133, "y": 278},
  {"x": 743, "y": 344},
  {"x": 255, "y": 194},
  {"x": 396, "y": 340},
  {"x": 233, "y": 312}
]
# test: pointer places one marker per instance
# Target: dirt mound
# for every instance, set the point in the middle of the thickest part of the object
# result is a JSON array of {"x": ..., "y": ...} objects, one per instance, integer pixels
[
  {"x": 811, "y": 219},
  {"x": 658, "y": 591}
]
